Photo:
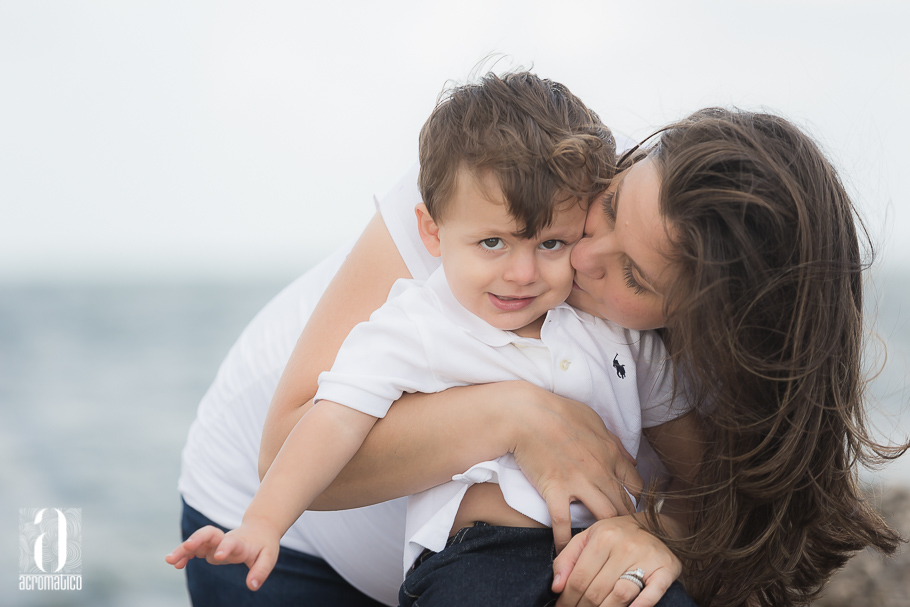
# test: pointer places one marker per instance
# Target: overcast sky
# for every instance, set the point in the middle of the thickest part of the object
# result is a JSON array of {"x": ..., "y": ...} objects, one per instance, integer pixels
[{"x": 225, "y": 140}]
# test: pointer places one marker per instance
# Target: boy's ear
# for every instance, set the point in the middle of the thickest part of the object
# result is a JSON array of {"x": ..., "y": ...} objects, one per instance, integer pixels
[{"x": 429, "y": 231}]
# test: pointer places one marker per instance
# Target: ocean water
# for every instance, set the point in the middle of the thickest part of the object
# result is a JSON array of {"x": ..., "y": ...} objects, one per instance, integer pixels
[
  {"x": 99, "y": 384},
  {"x": 98, "y": 387}
]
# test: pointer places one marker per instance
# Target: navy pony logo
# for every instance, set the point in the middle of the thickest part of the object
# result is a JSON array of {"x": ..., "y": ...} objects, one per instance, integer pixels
[{"x": 620, "y": 369}]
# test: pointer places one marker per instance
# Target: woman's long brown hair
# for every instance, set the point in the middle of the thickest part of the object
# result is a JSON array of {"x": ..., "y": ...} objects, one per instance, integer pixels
[{"x": 766, "y": 328}]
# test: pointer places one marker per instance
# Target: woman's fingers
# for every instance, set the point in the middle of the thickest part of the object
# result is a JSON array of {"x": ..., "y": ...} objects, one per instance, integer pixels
[
  {"x": 598, "y": 585},
  {"x": 603, "y": 504},
  {"x": 656, "y": 586},
  {"x": 561, "y": 522},
  {"x": 569, "y": 453},
  {"x": 584, "y": 479},
  {"x": 588, "y": 571},
  {"x": 577, "y": 568}
]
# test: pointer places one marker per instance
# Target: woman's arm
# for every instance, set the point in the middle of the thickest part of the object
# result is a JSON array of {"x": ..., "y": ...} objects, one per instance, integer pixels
[
  {"x": 560, "y": 444},
  {"x": 360, "y": 287}
]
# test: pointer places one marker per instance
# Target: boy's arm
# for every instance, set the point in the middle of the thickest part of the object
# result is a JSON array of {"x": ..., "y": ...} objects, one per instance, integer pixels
[
  {"x": 326, "y": 438},
  {"x": 318, "y": 448}
]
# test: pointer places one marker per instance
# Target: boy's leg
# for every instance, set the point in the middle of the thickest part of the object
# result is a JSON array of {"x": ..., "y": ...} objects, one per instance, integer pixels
[
  {"x": 298, "y": 579},
  {"x": 676, "y": 596},
  {"x": 483, "y": 566},
  {"x": 496, "y": 567}
]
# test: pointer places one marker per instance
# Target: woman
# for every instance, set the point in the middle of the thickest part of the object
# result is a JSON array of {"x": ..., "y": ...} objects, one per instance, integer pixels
[
  {"x": 761, "y": 280},
  {"x": 741, "y": 349}
]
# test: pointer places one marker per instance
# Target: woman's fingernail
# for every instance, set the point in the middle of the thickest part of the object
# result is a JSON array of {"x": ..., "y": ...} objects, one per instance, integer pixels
[
  {"x": 556, "y": 578},
  {"x": 254, "y": 584}
]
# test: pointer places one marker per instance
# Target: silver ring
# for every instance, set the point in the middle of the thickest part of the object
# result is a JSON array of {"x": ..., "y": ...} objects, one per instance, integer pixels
[{"x": 636, "y": 576}]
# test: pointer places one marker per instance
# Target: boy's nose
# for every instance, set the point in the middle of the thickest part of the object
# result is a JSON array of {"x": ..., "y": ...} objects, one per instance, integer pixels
[{"x": 522, "y": 269}]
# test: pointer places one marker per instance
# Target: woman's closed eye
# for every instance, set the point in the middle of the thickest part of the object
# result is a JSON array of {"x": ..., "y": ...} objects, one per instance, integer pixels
[
  {"x": 608, "y": 208},
  {"x": 633, "y": 284}
]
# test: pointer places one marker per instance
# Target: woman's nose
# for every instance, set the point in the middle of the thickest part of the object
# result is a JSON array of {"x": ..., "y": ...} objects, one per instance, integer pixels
[{"x": 587, "y": 257}]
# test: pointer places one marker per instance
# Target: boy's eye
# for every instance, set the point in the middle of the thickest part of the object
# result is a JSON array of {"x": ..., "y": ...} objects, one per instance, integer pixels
[
  {"x": 552, "y": 245},
  {"x": 492, "y": 244}
]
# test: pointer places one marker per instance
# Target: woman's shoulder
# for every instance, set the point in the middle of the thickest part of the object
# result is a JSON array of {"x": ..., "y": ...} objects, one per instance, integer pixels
[{"x": 397, "y": 210}]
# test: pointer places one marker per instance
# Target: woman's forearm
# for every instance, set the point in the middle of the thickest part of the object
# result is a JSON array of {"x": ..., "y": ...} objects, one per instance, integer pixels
[
  {"x": 423, "y": 441},
  {"x": 679, "y": 444},
  {"x": 561, "y": 445}
]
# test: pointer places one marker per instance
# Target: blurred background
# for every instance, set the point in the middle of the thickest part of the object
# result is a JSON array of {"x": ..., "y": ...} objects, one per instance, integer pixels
[{"x": 166, "y": 167}]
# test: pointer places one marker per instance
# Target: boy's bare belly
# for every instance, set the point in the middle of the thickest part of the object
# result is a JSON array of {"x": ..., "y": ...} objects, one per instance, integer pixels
[{"x": 484, "y": 502}]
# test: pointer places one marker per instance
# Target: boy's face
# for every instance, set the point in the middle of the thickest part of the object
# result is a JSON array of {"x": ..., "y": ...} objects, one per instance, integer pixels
[{"x": 507, "y": 281}]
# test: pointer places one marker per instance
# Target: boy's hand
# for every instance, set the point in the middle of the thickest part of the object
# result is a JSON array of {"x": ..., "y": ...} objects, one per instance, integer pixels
[
  {"x": 201, "y": 544},
  {"x": 251, "y": 544}
]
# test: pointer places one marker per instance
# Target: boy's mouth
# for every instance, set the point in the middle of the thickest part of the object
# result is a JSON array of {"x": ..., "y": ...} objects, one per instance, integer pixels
[{"x": 510, "y": 304}]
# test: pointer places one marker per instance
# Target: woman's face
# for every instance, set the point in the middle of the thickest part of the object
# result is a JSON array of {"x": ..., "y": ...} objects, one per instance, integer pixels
[{"x": 620, "y": 264}]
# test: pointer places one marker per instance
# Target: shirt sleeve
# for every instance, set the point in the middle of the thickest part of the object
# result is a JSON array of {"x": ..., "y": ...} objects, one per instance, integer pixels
[
  {"x": 379, "y": 360},
  {"x": 655, "y": 383},
  {"x": 397, "y": 210}
]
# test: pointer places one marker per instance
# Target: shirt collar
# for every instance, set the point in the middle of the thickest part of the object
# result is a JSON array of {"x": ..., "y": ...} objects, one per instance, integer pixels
[{"x": 473, "y": 324}]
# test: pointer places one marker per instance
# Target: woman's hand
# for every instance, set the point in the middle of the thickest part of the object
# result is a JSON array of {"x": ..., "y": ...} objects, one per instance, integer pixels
[
  {"x": 567, "y": 453},
  {"x": 587, "y": 571}
]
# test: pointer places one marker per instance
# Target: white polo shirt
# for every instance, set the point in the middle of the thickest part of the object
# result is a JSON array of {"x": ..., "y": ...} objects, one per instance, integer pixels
[{"x": 423, "y": 340}]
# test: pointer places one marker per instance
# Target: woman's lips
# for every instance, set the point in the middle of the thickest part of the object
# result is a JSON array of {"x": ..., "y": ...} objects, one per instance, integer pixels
[{"x": 510, "y": 304}]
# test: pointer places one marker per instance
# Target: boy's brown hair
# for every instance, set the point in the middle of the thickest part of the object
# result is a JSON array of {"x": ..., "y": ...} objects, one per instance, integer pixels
[{"x": 544, "y": 146}]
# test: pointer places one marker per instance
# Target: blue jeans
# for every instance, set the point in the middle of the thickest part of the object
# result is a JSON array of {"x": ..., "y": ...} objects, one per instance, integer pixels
[
  {"x": 492, "y": 566},
  {"x": 298, "y": 579}
]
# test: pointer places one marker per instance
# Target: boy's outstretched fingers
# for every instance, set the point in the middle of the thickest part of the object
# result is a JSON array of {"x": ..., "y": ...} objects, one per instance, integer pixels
[{"x": 200, "y": 544}]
